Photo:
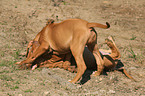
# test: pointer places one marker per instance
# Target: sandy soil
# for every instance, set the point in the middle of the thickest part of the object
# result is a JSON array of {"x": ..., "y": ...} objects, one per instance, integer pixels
[{"x": 21, "y": 20}]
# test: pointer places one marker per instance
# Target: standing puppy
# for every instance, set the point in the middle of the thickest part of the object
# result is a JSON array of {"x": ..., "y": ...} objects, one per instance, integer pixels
[{"x": 70, "y": 35}]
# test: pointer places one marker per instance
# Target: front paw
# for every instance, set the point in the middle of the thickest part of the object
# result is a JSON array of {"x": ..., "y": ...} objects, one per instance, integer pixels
[{"x": 22, "y": 66}]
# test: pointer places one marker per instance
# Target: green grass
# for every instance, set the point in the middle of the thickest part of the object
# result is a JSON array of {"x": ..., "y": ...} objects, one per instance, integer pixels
[
  {"x": 16, "y": 54},
  {"x": 28, "y": 90},
  {"x": 6, "y": 84},
  {"x": 43, "y": 83},
  {"x": 14, "y": 87},
  {"x": 133, "y": 55},
  {"x": 133, "y": 37},
  {"x": 137, "y": 57},
  {"x": 2, "y": 54},
  {"x": 6, "y": 78},
  {"x": 7, "y": 63},
  {"x": 17, "y": 82},
  {"x": 3, "y": 23}
]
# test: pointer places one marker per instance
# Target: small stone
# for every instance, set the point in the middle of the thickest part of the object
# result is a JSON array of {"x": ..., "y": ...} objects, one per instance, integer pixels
[
  {"x": 20, "y": 95},
  {"x": 106, "y": 2},
  {"x": 46, "y": 93},
  {"x": 132, "y": 68},
  {"x": 100, "y": 79},
  {"x": 111, "y": 91}
]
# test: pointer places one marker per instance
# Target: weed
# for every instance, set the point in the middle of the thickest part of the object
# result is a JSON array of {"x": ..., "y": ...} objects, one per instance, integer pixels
[
  {"x": 6, "y": 78},
  {"x": 16, "y": 55},
  {"x": 43, "y": 83},
  {"x": 15, "y": 87},
  {"x": 139, "y": 57},
  {"x": 64, "y": 2},
  {"x": 3, "y": 63},
  {"x": 5, "y": 71},
  {"x": 133, "y": 55},
  {"x": 2, "y": 54},
  {"x": 17, "y": 82},
  {"x": 7, "y": 63},
  {"x": 10, "y": 29},
  {"x": 3, "y": 23},
  {"x": 7, "y": 85},
  {"x": 28, "y": 90},
  {"x": 133, "y": 37},
  {"x": 8, "y": 94}
]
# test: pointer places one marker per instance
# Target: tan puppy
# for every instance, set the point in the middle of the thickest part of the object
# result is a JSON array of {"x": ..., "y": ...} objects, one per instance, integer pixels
[
  {"x": 110, "y": 58},
  {"x": 70, "y": 35}
]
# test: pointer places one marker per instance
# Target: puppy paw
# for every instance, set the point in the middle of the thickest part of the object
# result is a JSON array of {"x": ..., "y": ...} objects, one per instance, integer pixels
[
  {"x": 17, "y": 62},
  {"x": 71, "y": 81},
  {"x": 22, "y": 66},
  {"x": 34, "y": 67},
  {"x": 96, "y": 73}
]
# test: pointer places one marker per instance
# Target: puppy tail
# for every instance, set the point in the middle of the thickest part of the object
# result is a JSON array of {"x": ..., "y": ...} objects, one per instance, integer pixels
[
  {"x": 99, "y": 25},
  {"x": 125, "y": 72}
]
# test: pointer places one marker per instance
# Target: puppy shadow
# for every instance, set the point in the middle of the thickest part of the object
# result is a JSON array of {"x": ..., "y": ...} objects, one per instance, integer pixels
[{"x": 87, "y": 74}]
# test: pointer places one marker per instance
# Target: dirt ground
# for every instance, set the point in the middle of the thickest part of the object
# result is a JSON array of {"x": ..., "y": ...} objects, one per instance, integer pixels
[{"x": 21, "y": 20}]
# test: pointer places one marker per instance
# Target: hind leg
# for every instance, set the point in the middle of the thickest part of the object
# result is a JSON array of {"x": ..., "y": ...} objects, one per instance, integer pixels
[
  {"x": 93, "y": 47},
  {"x": 77, "y": 46},
  {"x": 110, "y": 59},
  {"x": 78, "y": 55},
  {"x": 115, "y": 54}
]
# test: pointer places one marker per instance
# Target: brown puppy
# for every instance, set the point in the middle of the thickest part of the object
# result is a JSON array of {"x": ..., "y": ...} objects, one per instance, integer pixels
[
  {"x": 110, "y": 58},
  {"x": 35, "y": 42},
  {"x": 70, "y": 35}
]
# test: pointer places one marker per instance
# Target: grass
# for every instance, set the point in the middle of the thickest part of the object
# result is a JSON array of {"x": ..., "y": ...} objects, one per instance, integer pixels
[
  {"x": 7, "y": 85},
  {"x": 28, "y": 90},
  {"x": 7, "y": 63},
  {"x": 2, "y": 54},
  {"x": 133, "y": 55},
  {"x": 16, "y": 54},
  {"x": 6, "y": 78},
  {"x": 14, "y": 87},
  {"x": 43, "y": 83},
  {"x": 17, "y": 82},
  {"x": 138, "y": 57},
  {"x": 3, "y": 23},
  {"x": 133, "y": 37}
]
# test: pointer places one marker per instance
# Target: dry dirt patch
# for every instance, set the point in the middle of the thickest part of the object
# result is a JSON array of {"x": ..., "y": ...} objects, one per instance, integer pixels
[{"x": 21, "y": 20}]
